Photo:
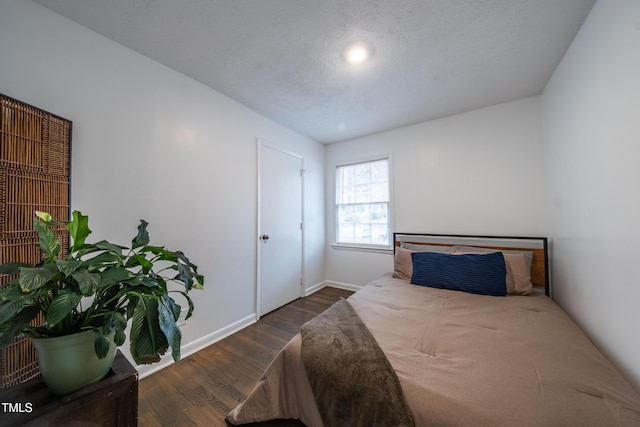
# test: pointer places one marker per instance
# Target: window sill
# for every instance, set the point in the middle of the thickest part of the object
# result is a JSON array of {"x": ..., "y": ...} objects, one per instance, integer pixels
[{"x": 380, "y": 250}]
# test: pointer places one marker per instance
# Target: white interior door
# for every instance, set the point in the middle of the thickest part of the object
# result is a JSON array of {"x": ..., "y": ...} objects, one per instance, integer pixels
[{"x": 280, "y": 228}]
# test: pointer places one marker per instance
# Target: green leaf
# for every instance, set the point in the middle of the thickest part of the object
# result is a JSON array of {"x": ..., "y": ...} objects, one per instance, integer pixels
[
  {"x": 142, "y": 280},
  {"x": 162, "y": 253},
  {"x": 11, "y": 291},
  {"x": 168, "y": 312},
  {"x": 101, "y": 246},
  {"x": 199, "y": 282},
  {"x": 45, "y": 216},
  {"x": 188, "y": 273},
  {"x": 184, "y": 275},
  {"x": 62, "y": 305},
  {"x": 189, "y": 301},
  {"x": 15, "y": 327},
  {"x": 12, "y": 267},
  {"x": 148, "y": 342},
  {"x": 32, "y": 278},
  {"x": 111, "y": 247},
  {"x": 87, "y": 282},
  {"x": 114, "y": 321},
  {"x": 49, "y": 244},
  {"x": 101, "y": 344},
  {"x": 142, "y": 238},
  {"x": 112, "y": 276},
  {"x": 13, "y": 301},
  {"x": 78, "y": 229},
  {"x": 142, "y": 262},
  {"x": 120, "y": 337},
  {"x": 67, "y": 267},
  {"x": 182, "y": 257},
  {"x": 160, "y": 281},
  {"x": 131, "y": 307},
  {"x": 101, "y": 260}
]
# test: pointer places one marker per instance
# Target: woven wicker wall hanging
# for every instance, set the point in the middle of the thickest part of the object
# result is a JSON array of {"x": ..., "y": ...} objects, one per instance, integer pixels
[{"x": 34, "y": 175}]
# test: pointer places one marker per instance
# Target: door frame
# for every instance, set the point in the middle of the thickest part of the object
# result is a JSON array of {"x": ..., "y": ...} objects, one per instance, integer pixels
[{"x": 261, "y": 142}]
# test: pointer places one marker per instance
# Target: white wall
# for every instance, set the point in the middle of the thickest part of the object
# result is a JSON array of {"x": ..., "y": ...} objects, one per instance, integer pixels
[
  {"x": 592, "y": 134},
  {"x": 151, "y": 143},
  {"x": 472, "y": 173}
]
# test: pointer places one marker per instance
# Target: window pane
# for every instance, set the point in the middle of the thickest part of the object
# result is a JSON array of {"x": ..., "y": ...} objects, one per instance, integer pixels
[
  {"x": 362, "y": 173},
  {"x": 379, "y": 234},
  {"x": 346, "y": 233},
  {"x": 347, "y": 214},
  {"x": 378, "y": 213},
  {"x": 362, "y": 203},
  {"x": 348, "y": 178},
  {"x": 380, "y": 171},
  {"x": 380, "y": 192},
  {"x": 361, "y": 233},
  {"x": 362, "y": 193}
]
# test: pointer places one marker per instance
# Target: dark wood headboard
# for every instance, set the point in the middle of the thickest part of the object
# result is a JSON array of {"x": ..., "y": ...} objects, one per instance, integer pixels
[{"x": 537, "y": 245}]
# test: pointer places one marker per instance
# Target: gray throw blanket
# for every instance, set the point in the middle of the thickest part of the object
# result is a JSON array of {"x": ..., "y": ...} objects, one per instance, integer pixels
[{"x": 352, "y": 381}]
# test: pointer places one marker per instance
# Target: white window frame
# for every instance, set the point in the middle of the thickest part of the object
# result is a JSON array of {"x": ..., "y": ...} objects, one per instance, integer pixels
[{"x": 363, "y": 246}]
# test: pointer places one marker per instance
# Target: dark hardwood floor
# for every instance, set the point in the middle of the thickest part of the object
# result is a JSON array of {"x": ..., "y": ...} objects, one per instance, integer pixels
[{"x": 202, "y": 388}]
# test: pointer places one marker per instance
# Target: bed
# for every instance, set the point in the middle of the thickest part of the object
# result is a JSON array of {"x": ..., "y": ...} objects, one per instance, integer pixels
[{"x": 463, "y": 332}]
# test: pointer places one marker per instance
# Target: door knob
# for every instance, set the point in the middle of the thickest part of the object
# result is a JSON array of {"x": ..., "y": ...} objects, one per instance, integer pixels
[{"x": 264, "y": 237}]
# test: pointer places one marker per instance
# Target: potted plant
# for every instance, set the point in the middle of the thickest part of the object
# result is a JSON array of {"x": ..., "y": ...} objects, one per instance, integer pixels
[{"x": 90, "y": 295}]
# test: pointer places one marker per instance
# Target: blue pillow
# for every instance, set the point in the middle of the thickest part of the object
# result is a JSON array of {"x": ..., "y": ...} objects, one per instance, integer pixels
[{"x": 483, "y": 274}]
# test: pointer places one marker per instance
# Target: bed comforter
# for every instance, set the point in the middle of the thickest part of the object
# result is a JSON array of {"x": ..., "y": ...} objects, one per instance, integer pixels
[{"x": 465, "y": 359}]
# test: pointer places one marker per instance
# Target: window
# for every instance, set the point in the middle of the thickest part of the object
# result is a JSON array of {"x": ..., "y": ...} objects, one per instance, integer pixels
[{"x": 362, "y": 204}]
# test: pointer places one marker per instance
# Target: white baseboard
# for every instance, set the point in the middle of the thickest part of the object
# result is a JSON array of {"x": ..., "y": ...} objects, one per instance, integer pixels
[
  {"x": 315, "y": 288},
  {"x": 197, "y": 345},
  {"x": 331, "y": 284},
  {"x": 345, "y": 286}
]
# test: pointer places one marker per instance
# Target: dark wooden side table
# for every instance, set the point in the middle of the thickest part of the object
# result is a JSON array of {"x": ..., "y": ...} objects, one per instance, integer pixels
[{"x": 110, "y": 402}]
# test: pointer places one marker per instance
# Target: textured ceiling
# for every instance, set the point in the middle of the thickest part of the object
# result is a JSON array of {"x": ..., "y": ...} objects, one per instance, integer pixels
[{"x": 284, "y": 58}]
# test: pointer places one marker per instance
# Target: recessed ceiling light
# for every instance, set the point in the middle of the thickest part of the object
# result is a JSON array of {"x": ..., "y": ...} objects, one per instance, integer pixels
[{"x": 357, "y": 53}]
